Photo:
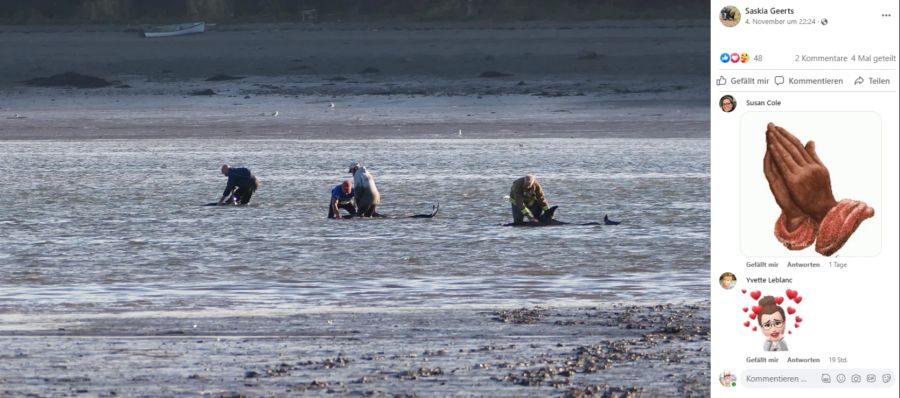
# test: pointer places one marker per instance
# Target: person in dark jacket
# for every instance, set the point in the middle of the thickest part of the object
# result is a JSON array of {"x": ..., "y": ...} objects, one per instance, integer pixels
[
  {"x": 241, "y": 185},
  {"x": 527, "y": 198}
]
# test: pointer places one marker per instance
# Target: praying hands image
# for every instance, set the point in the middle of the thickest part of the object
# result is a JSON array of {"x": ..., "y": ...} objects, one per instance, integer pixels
[{"x": 801, "y": 185}]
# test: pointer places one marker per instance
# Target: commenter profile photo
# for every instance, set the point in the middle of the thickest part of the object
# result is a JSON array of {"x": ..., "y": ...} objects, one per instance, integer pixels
[
  {"x": 727, "y": 379},
  {"x": 727, "y": 103},
  {"x": 730, "y": 16},
  {"x": 727, "y": 280}
]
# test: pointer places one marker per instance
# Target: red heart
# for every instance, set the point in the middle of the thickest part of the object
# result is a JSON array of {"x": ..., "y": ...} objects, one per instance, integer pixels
[
  {"x": 789, "y": 332},
  {"x": 757, "y": 309},
  {"x": 753, "y": 316},
  {"x": 798, "y": 299},
  {"x": 791, "y": 293},
  {"x": 791, "y": 310},
  {"x": 779, "y": 300},
  {"x": 796, "y": 325},
  {"x": 754, "y": 328},
  {"x": 743, "y": 291},
  {"x": 746, "y": 324},
  {"x": 755, "y": 294},
  {"x": 799, "y": 319},
  {"x": 744, "y": 309}
]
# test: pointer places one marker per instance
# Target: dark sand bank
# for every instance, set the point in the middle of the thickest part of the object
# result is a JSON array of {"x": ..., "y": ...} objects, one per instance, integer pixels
[
  {"x": 83, "y": 11},
  {"x": 620, "y": 50},
  {"x": 425, "y": 80},
  {"x": 612, "y": 351}
]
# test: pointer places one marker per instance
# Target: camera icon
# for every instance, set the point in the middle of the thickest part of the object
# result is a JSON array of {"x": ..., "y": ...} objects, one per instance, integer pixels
[{"x": 856, "y": 378}]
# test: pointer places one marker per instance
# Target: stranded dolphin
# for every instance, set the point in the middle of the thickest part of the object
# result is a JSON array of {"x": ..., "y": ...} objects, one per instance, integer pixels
[
  {"x": 547, "y": 220},
  {"x": 434, "y": 211}
]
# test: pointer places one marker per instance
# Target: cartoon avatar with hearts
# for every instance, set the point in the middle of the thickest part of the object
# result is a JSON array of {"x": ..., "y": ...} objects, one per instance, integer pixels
[{"x": 772, "y": 324}]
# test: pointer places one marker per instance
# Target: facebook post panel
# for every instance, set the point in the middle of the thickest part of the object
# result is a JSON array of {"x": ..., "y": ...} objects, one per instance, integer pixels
[{"x": 804, "y": 166}]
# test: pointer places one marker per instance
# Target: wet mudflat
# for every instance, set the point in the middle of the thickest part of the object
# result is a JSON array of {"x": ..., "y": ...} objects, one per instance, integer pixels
[
  {"x": 612, "y": 351},
  {"x": 118, "y": 226},
  {"x": 114, "y": 281},
  {"x": 120, "y": 283}
]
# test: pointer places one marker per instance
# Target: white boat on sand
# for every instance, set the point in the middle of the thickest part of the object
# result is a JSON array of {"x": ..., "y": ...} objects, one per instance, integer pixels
[{"x": 175, "y": 30}]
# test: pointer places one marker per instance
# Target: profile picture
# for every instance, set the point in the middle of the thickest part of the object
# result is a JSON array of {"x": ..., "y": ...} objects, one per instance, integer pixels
[
  {"x": 726, "y": 379},
  {"x": 730, "y": 16},
  {"x": 727, "y": 103},
  {"x": 727, "y": 280}
]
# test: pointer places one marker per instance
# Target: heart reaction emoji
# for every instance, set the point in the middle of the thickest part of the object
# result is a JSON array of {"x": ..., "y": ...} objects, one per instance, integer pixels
[
  {"x": 746, "y": 324},
  {"x": 798, "y": 299},
  {"x": 779, "y": 300},
  {"x": 757, "y": 309},
  {"x": 753, "y": 316},
  {"x": 755, "y": 294},
  {"x": 754, "y": 328},
  {"x": 743, "y": 291},
  {"x": 745, "y": 309},
  {"x": 791, "y": 310},
  {"x": 790, "y": 294},
  {"x": 799, "y": 319}
]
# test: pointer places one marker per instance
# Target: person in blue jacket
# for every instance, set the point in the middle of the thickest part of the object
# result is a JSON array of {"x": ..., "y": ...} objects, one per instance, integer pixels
[{"x": 342, "y": 198}]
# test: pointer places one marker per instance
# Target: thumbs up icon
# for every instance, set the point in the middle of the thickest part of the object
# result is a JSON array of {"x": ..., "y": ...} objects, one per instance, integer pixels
[{"x": 720, "y": 81}]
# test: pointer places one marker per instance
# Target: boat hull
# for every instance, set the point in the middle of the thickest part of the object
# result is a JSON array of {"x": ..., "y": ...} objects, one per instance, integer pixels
[{"x": 176, "y": 30}]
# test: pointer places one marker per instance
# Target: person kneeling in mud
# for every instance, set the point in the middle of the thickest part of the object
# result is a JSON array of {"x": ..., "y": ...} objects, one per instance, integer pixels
[
  {"x": 527, "y": 199},
  {"x": 241, "y": 185},
  {"x": 341, "y": 198},
  {"x": 364, "y": 191}
]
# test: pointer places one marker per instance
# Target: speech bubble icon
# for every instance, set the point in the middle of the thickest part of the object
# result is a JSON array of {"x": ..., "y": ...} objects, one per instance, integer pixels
[{"x": 779, "y": 80}]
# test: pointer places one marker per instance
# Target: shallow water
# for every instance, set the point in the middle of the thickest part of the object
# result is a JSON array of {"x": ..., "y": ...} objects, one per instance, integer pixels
[{"x": 99, "y": 227}]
